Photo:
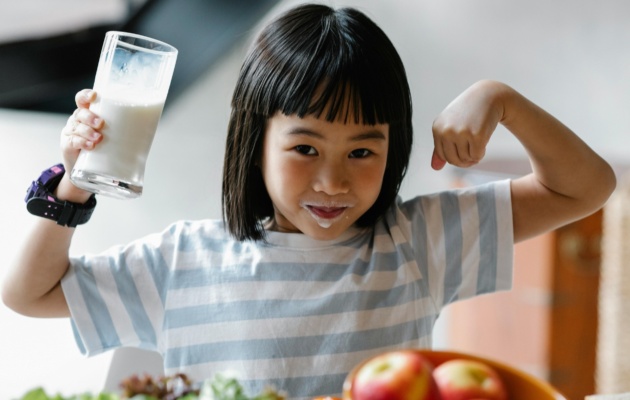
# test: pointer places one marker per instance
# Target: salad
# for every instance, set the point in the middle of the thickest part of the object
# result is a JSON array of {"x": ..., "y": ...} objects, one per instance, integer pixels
[{"x": 176, "y": 387}]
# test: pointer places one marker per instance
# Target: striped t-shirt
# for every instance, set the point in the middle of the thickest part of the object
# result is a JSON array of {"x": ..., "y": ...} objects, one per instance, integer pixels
[{"x": 293, "y": 312}]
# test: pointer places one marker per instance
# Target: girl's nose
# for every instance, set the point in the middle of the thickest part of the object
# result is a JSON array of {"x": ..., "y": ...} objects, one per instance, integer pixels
[{"x": 332, "y": 179}]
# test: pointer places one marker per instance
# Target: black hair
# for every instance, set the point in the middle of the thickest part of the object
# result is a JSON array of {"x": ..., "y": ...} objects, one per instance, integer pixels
[{"x": 313, "y": 60}]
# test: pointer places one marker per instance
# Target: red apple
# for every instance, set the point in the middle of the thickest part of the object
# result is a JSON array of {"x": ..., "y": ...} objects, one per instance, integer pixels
[
  {"x": 462, "y": 379},
  {"x": 395, "y": 375}
]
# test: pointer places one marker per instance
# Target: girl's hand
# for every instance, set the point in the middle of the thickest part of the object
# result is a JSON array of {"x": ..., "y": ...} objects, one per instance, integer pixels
[
  {"x": 461, "y": 132},
  {"x": 82, "y": 131}
]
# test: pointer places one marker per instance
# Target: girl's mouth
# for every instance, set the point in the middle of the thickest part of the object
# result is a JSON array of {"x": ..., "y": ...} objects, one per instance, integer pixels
[
  {"x": 326, "y": 215},
  {"x": 326, "y": 212}
]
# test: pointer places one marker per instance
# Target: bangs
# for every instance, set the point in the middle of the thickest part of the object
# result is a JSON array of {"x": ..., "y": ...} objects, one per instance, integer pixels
[{"x": 331, "y": 67}]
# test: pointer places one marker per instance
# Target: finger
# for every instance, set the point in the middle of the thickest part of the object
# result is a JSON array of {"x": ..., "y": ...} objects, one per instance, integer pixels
[
  {"x": 477, "y": 151},
  {"x": 451, "y": 155},
  {"x": 447, "y": 148},
  {"x": 84, "y": 97},
  {"x": 87, "y": 117},
  {"x": 79, "y": 142},
  {"x": 461, "y": 155},
  {"x": 437, "y": 163},
  {"x": 470, "y": 152},
  {"x": 438, "y": 148},
  {"x": 463, "y": 152},
  {"x": 75, "y": 130}
]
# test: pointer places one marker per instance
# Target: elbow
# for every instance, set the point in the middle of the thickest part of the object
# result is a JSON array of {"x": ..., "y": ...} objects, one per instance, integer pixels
[
  {"x": 606, "y": 187},
  {"x": 596, "y": 193},
  {"x": 50, "y": 305},
  {"x": 18, "y": 305},
  {"x": 599, "y": 192},
  {"x": 8, "y": 299},
  {"x": 12, "y": 299}
]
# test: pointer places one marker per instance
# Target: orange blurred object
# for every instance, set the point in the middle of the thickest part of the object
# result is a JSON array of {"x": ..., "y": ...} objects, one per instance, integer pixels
[{"x": 520, "y": 385}]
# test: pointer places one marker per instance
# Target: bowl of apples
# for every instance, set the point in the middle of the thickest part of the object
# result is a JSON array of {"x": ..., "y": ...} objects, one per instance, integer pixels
[{"x": 419, "y": 374}]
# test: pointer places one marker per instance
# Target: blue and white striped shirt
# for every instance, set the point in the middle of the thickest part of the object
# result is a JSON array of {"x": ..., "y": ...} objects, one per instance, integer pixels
[{"x": 293, "y": 312}]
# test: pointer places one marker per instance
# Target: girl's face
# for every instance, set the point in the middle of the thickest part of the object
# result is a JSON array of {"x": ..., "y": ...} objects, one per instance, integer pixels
[{"x": 322, "y": 176}]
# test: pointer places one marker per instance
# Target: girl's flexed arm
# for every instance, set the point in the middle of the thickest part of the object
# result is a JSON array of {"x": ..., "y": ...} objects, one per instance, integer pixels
[{"x": 569, "y": 180}]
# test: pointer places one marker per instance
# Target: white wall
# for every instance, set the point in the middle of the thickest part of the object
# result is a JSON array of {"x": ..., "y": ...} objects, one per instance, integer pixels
[{"x": 568, "y": 56}]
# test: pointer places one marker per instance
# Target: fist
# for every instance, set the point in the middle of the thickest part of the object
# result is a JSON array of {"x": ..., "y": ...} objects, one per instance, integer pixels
[{"x": 462, "y": 130}]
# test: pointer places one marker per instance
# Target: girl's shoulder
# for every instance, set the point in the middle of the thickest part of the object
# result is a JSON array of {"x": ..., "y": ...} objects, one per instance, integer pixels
[
  {"x": 491, "y": 190},
  {"x": 494, "y": 194}
]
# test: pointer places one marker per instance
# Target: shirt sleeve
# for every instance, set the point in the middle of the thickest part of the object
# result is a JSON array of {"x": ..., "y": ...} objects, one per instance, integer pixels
[
  {"x": 117, "y": 298},
  {"x": 463, "y": 240}
]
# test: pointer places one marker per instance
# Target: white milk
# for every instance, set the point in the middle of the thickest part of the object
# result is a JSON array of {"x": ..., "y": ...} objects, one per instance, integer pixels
[{"x": 127, "y": 137}]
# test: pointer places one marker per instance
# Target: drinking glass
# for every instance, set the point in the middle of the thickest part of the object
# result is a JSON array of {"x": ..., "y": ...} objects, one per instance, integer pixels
[{"x": 132, "y": 80}]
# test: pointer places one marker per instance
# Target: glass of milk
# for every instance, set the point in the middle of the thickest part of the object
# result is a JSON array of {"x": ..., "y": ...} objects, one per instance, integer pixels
[{"x": 132, "y": 80}]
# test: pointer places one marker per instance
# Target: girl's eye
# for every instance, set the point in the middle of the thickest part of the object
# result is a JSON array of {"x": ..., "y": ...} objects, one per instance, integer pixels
[
  {"x": 360, "y": 153},
  {"x": 306, "y": 150}
]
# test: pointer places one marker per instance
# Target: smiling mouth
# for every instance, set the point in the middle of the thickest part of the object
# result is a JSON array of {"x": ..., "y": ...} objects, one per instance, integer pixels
[
  {"x": 326, "y": 212},
  {"x": 326, "y": 215}
]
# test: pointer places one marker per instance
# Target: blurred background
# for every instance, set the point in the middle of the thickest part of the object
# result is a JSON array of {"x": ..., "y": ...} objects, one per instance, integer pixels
[{"x": 569, "y": 56}]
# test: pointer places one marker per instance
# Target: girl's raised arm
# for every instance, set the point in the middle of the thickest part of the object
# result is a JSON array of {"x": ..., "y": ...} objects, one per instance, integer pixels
[{"x": 33, "y": 285}]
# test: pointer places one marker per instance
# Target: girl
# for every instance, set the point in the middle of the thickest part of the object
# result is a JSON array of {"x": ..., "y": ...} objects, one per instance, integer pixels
[{"x": 317, "y": 263}]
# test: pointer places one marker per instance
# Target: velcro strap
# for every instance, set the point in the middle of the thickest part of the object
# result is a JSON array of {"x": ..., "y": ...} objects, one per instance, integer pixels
[
  {"x": 64, "y": 213},
  {"x": 47, "y": 208}
]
